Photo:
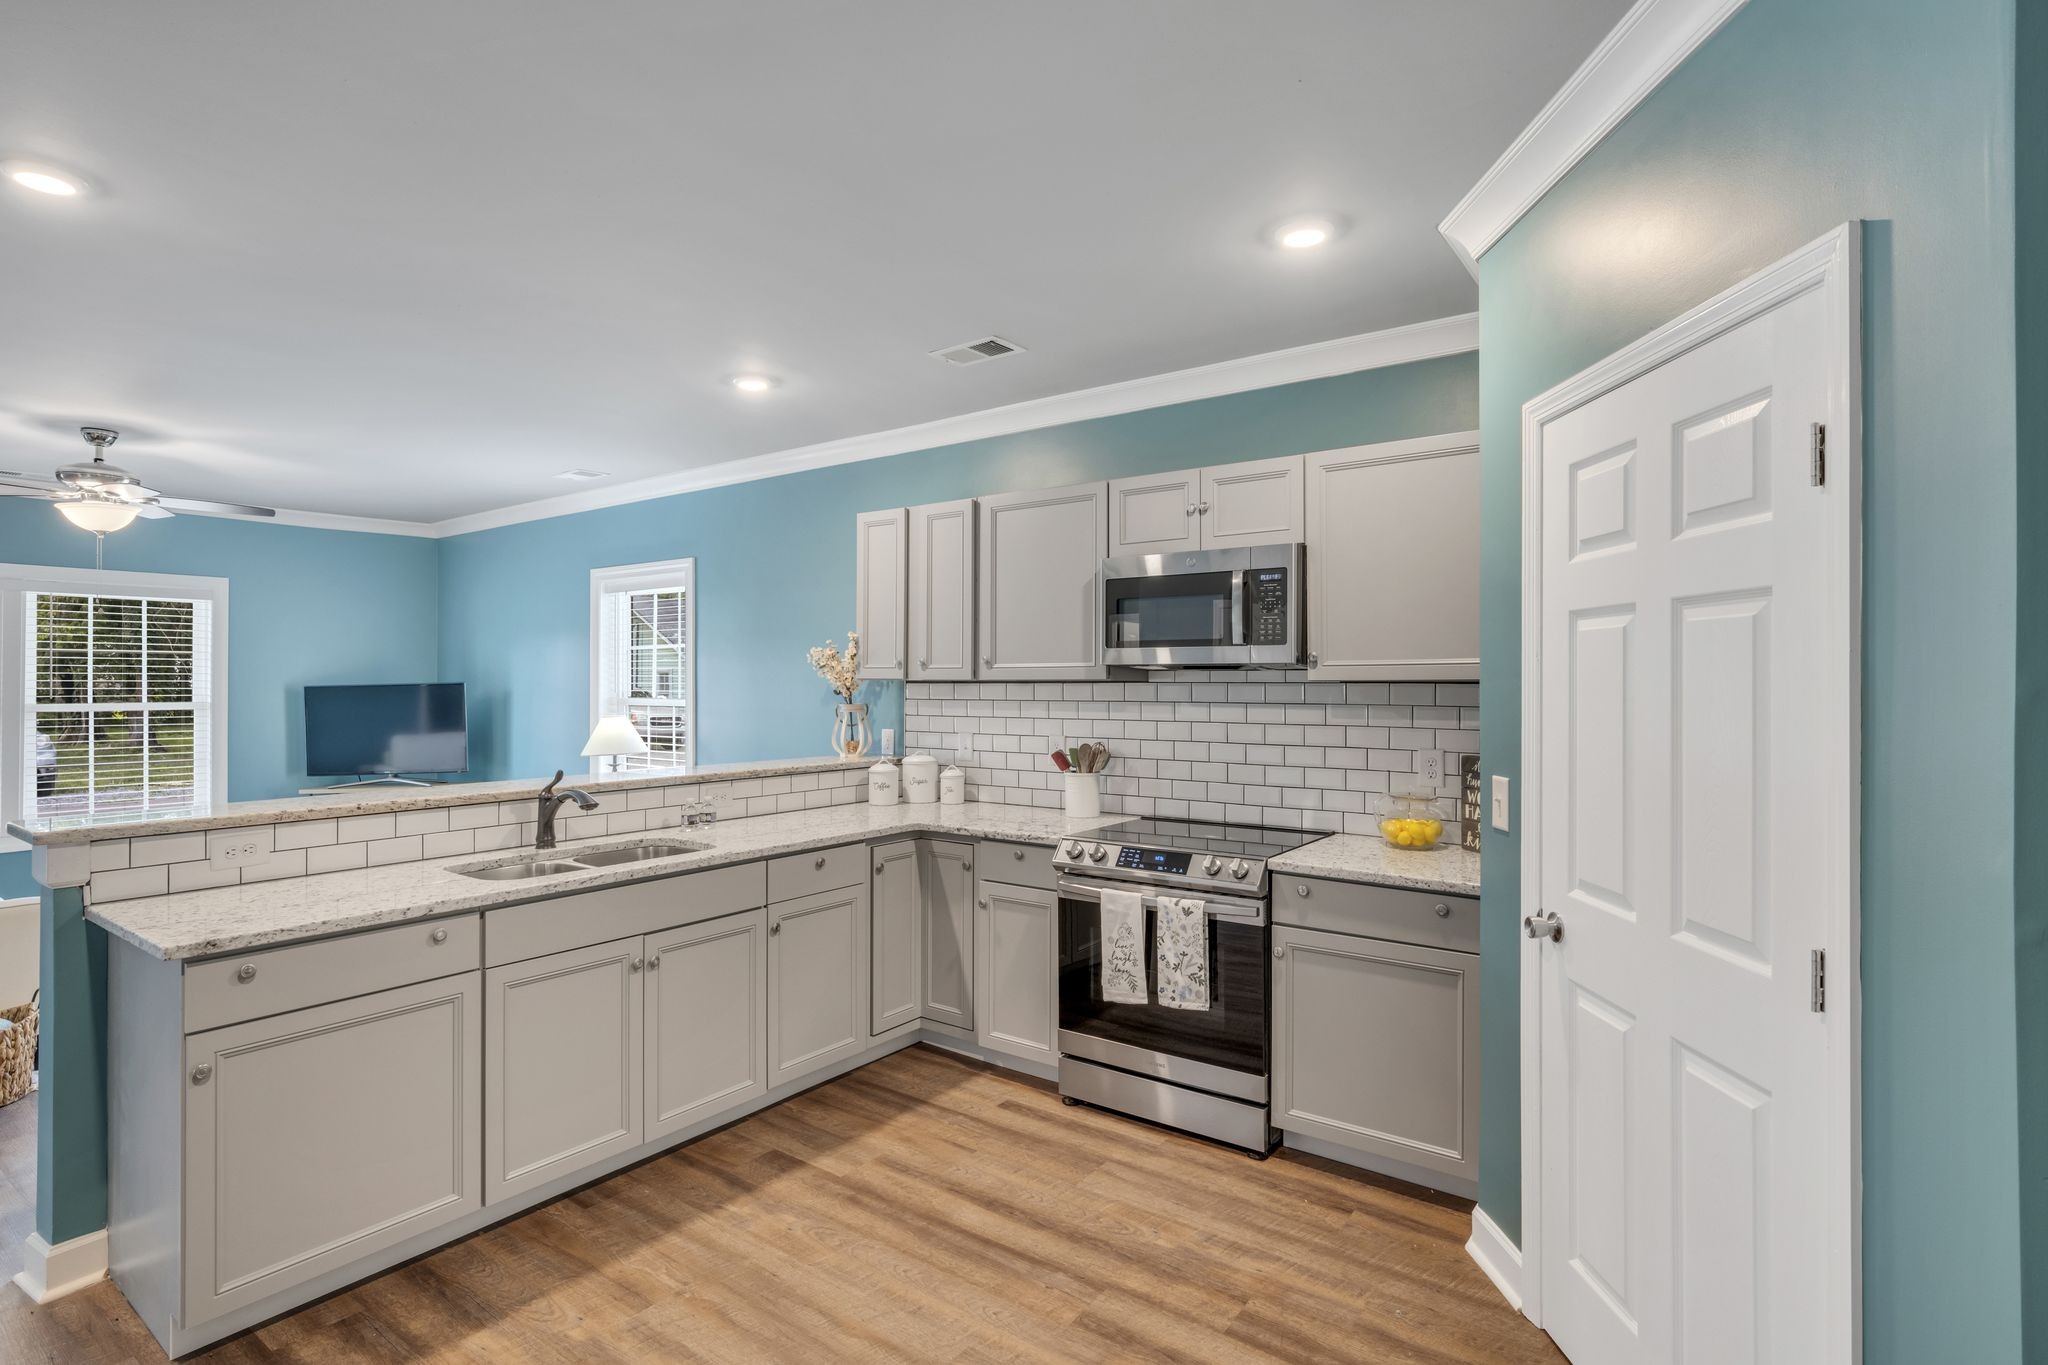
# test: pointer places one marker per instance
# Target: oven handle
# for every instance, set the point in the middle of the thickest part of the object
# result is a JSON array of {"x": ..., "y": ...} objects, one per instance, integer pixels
[
  {"x": 1250, "y": 912},
  {"x": 1237, "y": 606}
]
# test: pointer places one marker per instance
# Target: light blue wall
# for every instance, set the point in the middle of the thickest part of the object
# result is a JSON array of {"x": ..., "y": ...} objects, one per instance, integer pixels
[
  {"x": 304, "y": 606},
  {"x": 1799, "y": 115},
  {"x": 775, "y": 559}
]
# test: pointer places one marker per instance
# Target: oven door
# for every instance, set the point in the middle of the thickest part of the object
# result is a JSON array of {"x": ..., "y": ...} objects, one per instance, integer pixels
[{"x": 1222, "y": 1049}]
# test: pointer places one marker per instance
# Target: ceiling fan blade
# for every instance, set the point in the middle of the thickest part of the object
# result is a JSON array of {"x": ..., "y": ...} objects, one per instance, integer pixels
[
  {"x": 151, "y": 510},
  {"x": 232, "y": 508},
  {"x": 22, "y": 490},
  {"x": 129, "y": 492},
  {"x": 8, "y": 476}
]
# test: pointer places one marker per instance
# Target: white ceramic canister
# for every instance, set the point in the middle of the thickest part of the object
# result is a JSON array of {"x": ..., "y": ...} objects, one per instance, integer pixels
[
  {"x": 1083, "y": 796},
  {"x": 920, "y": 779},
  {"x": 952, "y": 786},
  {"x": 884, "y": 786}
]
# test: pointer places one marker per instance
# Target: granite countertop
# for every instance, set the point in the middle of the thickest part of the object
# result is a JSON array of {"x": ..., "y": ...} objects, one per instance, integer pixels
[{"x": 1450, "y": 869}]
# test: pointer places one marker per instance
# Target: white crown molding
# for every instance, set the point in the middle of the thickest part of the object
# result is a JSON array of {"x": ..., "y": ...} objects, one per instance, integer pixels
[
  {"x": 1631, "y": 61},
  {"x": 331, "y": 521},
  {"x": 1321, "y": 360}
]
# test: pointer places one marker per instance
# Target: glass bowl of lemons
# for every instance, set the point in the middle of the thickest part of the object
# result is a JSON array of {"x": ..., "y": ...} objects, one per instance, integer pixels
[{"x": 1411, "y": 822}]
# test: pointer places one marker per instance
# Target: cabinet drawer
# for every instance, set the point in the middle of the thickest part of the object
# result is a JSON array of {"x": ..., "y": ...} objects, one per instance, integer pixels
[
  {"x": 227, "y": 990},
  {"x": 1017, "y": 864},
  {"x": 825, "y": 869},
  {"x": 560, "y": 923},
  {"x": 1423, "y": 917}
]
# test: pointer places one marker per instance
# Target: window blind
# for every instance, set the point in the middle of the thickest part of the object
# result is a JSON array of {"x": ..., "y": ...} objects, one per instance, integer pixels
[
  {"x": 119, "y": 712},
  {"x": 645, "y": 670}
]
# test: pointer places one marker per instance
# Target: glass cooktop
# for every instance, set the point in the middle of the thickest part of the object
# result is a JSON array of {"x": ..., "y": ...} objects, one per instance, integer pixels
[{"x": 1210, "y": 836}]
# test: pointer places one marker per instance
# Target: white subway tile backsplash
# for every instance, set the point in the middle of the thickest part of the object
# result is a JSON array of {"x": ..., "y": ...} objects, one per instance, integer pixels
[
  {"x": 111, "y": 855},
  {"x": 447, "y": 843},
  {"x": 399, "y": 849},
  {"x": 336, "y": 858},
  {"x": 166, "y": 848},
  {"x": 290, "y": 863},
  {"x": 123, "y": 884},
  {"x": 422, "y": 821},
  {"x": 361, "y": 829},
  {"x": 202, "y": 876},
  {"x": 306, "y": 834}
]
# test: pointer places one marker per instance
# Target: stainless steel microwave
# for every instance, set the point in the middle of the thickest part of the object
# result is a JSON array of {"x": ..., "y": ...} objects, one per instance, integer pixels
[{"x": 1232, "y": 608}]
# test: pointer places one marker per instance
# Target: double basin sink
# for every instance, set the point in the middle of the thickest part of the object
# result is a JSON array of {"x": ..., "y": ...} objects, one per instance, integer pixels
[{"x": 552, "y": 866}]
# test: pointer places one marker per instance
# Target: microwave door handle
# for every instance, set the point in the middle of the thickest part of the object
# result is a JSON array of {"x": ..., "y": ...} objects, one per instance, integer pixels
[{"x": 1237, "y": 606}]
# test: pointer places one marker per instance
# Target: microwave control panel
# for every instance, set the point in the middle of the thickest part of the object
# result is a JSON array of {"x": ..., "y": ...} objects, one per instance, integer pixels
[{"x": 1268, "y": 606}]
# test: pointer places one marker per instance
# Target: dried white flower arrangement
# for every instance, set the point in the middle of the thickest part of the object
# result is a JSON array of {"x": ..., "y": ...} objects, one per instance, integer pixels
[{"x": 840, "y": 671}]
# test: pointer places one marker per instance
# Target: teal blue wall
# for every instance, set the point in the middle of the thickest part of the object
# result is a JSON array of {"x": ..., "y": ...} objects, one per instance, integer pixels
[
  {"x": 304, "y": 606},
  {"x": 1798, "y": 115},
  {"x": 775, "y": 559}
]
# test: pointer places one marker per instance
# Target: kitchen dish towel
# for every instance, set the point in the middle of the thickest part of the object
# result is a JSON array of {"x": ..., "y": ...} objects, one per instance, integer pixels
[
  {"x": 1123, "y": 947},
  {"x": 1183, "y": 954}
]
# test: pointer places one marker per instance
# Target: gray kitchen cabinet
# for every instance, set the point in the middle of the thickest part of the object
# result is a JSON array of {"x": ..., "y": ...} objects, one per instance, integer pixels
[
  {"x": 879, "y": 567},
  {"x": 1393, "y": 560},
  {"x": 947, "y": 874},
  {"x": 317, "y": 1137},
  {"x": 1376, "y": 1047},
  {"x": 1038, "y": 583},
  {"x": 896, "y": 958},
  {"x": 706, "y": 1042},
  {"x": 562, "y": 1083},
  {"x": 1016, "y": 957},
  {"x": 817, "y": 981},
  {"x": 1253, "y": 502},
  {"x": 940, "y": 592}
]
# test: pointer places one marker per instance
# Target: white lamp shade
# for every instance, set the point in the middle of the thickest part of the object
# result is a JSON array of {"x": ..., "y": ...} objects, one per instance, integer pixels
[
  {"x": 613, "y": 736},
  {"x": 101, "y": 517}
]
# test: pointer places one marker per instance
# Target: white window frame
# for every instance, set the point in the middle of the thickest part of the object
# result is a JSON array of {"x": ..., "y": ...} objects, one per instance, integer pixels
[
  {"x": 17, "y": 581},
  {"x": 664, "y": 573}
]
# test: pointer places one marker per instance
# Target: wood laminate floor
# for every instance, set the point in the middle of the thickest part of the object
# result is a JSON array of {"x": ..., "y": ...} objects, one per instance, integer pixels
[{"x": 925, "y": 1207}]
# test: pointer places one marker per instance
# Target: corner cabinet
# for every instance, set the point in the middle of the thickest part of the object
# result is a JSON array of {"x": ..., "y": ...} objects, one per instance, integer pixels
[
  {"x": 1016, "y": 951},
  {"x": 940, "y": 594},
  {"x": 947, "y": 959},
  {"x": 879, "y": 574},
  {"x": 1393, "y": 561},
  {"x": 1038, "y": 583},
  {"x": 896, "y": 955}
]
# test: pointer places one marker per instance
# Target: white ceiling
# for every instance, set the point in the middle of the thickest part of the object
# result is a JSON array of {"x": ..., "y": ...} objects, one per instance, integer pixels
[{"x": 404, "y": 260}]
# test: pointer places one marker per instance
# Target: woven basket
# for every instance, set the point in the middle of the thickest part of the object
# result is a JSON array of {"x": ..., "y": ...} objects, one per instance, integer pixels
[{"x": 18, "y": 1050}]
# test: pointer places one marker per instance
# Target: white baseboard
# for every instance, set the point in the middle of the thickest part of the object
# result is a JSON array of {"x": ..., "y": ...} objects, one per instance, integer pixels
[
  {"x": 50, "y": 1272},
  {"x": 1497, "y": 1256}
]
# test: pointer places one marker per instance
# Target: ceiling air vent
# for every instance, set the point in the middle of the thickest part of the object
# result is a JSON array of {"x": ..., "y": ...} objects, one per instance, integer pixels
[{"x": 974, "y": 352}]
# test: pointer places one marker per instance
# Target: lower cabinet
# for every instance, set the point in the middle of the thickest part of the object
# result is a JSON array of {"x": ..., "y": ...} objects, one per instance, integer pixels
[
  {"x": 1376, "y": 1047},
  {"x": 563, "y": 1043},
  {"x": 317, "y": 1137},
  {"x": 707, "y": 1020},
  {"x": 817, "y": 992},
  {"x": 1016, "y": 968},
  {"x": 896, "y": 959},
  {"x": 948, "y": 957}
]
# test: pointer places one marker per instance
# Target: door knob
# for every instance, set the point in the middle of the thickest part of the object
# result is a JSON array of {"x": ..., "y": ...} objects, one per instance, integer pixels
[{"x": 1546, "y": 925}]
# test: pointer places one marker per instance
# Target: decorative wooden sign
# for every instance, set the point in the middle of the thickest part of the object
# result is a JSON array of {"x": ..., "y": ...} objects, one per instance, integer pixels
[{"x": 1469, "y": 804}]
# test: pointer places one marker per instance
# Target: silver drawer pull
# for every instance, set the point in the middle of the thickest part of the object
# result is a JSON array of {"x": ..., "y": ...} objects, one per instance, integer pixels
[
  {"x": 246, "y": 972},
  {"x": 439, "y": 936},
  {"x": 1442, "y": 911},
  {"x": 1018, "y": 854},
  {"x": 819, "y": 864},
  {"x": 1301, "y": 888},
  {"x": 202, "y": 1073}
]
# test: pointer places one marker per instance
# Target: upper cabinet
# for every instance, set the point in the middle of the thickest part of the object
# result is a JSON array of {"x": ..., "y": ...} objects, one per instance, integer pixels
[
  {"x": 1256, "y": 502},
  {"x": 1038, "y": 572},
  {"x": 879, "y": 563},
  {"x": 941, "y": 592},
  {"x": 1393, "y": 560}
]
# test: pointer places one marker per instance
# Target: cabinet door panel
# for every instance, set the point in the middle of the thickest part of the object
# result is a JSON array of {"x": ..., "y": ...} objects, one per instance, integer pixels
[
  {"x": 1039, "y": 583},
  {"x": 817, "y": 985},
  {"x": 941, "y": 591},
  {"x": 1376, "y": 1047},
  {"x": 896, "y": 963},
  {"x": 1017, "y": 971},
  {"x": 1393, "y": 560},
  {"x": 949, "y": 933},
  {"x": 562, "y": 1089},
  {"x": 707, "y": 1020},
  {"x": 879, "y": 577},
  {"x": 1153, "y": 513},
  {"x": 1258, "y": 502},
  {"x": 321, "y": 1136}
]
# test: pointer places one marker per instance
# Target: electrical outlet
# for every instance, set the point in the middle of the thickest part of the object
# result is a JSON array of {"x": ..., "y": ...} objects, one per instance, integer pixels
[
  {"x": 1429, "y": 767},
  {"x": 232, "y": 849},
  {"x": 1498, "y": 816}
]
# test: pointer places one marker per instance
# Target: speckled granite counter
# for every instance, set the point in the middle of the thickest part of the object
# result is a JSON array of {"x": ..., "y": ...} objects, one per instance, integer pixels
[{"x": 1365, "y": 858}]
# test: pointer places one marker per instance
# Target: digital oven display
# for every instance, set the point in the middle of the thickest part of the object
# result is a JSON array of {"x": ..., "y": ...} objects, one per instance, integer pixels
[{"x": 1152, "y": 860}]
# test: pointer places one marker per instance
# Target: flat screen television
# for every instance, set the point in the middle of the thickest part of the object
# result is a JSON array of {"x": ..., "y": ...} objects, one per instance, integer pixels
[{"x": 380, "y": 731}]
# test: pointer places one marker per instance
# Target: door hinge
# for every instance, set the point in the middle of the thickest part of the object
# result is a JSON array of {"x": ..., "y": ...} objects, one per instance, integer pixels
[
  {"x": 1818, "y": 998},
  {"x": 1819, "y": 472}
]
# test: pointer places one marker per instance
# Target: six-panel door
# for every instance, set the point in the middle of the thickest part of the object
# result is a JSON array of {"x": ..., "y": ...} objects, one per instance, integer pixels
[
  {"x": 1016, "y": 953},
  {"x": 563, "y": 1073},
  {"x": 896, "y": 960},
  {"x": 318, "y": 1137},
  {"x": 940, "y": 598},
  {"x": 1039, "y": 583},
  {"x": 817, "y": 990},
  {"x": 948, "y": 987},
  {"x": 706, "y": 988}
]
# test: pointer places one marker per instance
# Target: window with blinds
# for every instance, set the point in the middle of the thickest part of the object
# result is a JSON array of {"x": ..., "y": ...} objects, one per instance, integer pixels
[
  {"x": 118, "y": 704},
  {"x": 643, "y": 665}
]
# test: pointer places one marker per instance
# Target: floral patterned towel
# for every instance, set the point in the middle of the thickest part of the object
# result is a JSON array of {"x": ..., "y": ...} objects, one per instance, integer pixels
[
  {"x": 1183, "y": 954},
  {"x": 1123, "y": 947}
]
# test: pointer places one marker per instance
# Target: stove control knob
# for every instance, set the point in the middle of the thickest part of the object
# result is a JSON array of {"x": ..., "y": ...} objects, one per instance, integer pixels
[
  {"x": 1098, "y": 853},
  {"x": 1073, "y": 848},
  {"x": 1240, "y": 869},
  {"x": 1213, "y": 866}
]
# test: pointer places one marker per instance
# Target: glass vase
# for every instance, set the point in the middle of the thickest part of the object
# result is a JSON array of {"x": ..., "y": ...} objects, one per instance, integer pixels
[{"x": 850, "y": 738}]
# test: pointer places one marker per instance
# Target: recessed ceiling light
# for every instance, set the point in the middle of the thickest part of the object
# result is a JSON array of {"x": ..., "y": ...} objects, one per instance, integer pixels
[
  {"x": 1305, "y": 233},
  {"x": 582, "y": 475},
  {"x": 42, "y": 179},
  {"x": 753, "y": 383}
]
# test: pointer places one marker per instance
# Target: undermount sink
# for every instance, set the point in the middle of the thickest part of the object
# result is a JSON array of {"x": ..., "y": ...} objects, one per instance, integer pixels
[
  {"x": 634, "y": 853},
  {"x": 517, "y": 872},
  {"x": 556, "y": 864}
]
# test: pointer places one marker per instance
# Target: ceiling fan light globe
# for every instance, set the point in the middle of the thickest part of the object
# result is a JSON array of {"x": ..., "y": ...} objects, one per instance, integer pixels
[{"x": 97, "y": 517}]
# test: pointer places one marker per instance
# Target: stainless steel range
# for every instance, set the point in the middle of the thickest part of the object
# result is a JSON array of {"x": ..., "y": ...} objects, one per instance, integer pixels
[{"x": 1201, "y": 1070}]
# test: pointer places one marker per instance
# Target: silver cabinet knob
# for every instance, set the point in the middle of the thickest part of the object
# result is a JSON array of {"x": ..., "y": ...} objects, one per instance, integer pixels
[
  {"x": 1018, "y": 854},
  {"x": 878, "y": 869},
  {"x": 653, "y": 961},
  {"x": 819, "y": 864},
  {"x": 987, "y": 662},
  {"x": 967, "y": 865},
  {"x": 1279, "y": 950},
  {"x": 1191, "y": 509},
  {"x": 1314, "y": 662},
  {"x": 202, "y": 1073},
  {"x": 636, "y": 964},
  {"x": 983, "y": 902},
  {"x": 775, "y": 928},
  {"x": 247, "y": 972},
  {"x": 922, "y": 663},
  {"x": 1544, "y": 926},
  {"x": 1301, "y": 888},
  {"x": 439, "y": 936},
  {"x": 1442, "y": 911}
]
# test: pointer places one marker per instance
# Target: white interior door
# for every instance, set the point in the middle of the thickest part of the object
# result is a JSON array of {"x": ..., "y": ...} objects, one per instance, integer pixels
[{"x": 1697, "y": 592}]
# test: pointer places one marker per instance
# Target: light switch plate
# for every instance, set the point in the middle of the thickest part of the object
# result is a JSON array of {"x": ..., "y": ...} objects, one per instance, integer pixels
[
  {"x": 1498, "y": 815},
  {"x": 229, "y": 849}
]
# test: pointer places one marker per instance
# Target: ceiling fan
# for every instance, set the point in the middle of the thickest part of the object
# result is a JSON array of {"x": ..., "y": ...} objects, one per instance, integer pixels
[{"x": 99, "y": 497}]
